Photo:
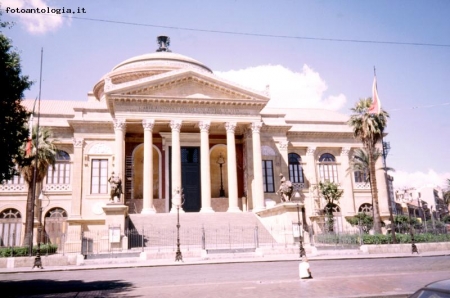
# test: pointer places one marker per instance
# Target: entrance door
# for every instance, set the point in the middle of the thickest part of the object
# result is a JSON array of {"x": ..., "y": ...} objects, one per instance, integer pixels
[{"x": 190, "y": 178}]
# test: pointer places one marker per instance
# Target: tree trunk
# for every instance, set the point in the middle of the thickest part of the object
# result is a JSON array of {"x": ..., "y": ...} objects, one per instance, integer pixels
[
  {"x": 374, "y": 189},
  {"x": 29, "y": 220}
]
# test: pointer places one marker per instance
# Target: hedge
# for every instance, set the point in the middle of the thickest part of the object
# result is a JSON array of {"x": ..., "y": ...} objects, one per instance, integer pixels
[{"x": 22, "y": 251}]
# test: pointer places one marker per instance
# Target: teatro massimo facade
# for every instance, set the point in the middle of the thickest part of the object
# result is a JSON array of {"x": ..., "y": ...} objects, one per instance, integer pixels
[{"x": 162, "y": 122}]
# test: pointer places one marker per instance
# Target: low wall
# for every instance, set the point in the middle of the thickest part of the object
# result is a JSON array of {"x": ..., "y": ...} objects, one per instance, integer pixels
[
  {"x": 54, "y": 260},
  {"x": 405, "y": 248}
]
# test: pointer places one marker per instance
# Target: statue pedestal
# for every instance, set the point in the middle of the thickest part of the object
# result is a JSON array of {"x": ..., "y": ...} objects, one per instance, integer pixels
[
  {"x": 115, "y": 223},
  {"x": 283, "y": 216}
]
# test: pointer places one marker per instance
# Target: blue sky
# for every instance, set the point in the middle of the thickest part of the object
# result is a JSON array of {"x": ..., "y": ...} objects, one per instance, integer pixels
[{"x": 291, "y": 45}]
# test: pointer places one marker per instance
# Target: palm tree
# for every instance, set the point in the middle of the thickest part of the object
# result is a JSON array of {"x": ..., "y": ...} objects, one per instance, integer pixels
[
  {"x": 360, "y": 163},
  {"x": 369, "y": 128},
  {"x": 46, "y": 156}
]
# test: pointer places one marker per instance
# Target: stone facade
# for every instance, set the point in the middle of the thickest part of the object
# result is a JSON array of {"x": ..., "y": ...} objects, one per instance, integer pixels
[{"x": 161, "y": 121}]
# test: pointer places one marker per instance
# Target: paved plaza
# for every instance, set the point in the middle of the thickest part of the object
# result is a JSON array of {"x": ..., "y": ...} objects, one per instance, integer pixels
[{"x": 339, "y": 276}]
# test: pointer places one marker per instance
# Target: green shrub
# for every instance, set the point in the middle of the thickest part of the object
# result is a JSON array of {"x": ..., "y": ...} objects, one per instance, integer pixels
[
  {"x": 405, "y": 238},
  {"x": 22, "y": 251}
]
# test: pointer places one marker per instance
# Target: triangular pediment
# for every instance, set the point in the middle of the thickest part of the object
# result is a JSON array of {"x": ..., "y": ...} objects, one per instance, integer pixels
[{"x": 187, "y": 84}]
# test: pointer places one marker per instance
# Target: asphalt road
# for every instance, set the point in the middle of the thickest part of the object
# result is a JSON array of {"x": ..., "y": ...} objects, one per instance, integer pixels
[{"x": 392, "y": 277}]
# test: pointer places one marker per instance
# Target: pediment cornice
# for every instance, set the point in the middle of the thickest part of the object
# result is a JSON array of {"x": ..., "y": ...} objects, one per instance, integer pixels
[{"x": 167, "y": 79}]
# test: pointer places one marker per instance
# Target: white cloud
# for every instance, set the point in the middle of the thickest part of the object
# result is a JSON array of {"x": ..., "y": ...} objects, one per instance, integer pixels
[
  {"x": 290, "y": 89},
  {"x": 35, "y": 23},
  {"x": 418, "y": 179}
]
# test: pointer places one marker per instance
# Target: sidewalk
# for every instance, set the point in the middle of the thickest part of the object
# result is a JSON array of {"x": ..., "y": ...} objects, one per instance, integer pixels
[{"x": 136, "y": 262}]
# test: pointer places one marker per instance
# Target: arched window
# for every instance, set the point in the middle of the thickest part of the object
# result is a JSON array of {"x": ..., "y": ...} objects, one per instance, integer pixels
[
  {"x": 55, "y": 226},
  {"x": 10, "y": 227},
  {"x": 328, "y": 168},
  {"x": 365, "y": 208},
  {"x": 295, "y": 168},
  {"x": 60, "y": 173}
]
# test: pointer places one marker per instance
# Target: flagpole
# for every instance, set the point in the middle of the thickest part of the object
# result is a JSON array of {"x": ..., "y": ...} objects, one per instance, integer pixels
[
  {"x": 37, "y": 260},
  {"x": 391, "y": 216}
]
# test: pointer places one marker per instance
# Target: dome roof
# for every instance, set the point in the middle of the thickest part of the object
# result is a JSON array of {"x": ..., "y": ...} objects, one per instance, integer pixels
[
  {"x": 147, "y": 65},
  {"x": 161, "y": 59}
]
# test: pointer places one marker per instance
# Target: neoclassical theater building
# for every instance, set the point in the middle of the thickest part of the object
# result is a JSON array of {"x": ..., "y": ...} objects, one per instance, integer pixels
[{"x": 163, "y": 121}]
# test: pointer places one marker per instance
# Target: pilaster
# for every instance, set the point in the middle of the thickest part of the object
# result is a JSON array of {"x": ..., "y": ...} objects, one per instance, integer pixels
[{"x": 77, "y": 177}]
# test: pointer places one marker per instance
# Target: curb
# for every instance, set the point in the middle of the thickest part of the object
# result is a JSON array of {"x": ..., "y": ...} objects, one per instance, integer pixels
[{"x": 167, "y": 263}]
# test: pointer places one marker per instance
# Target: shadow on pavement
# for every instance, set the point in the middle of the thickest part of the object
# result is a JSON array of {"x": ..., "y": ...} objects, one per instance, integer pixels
[{"x": 69, "y": 288}]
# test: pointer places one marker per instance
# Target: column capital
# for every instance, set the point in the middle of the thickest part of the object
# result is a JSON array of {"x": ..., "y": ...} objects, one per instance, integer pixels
[
  {"x": 175, "y": 125},
  {"x": 148, "y": 124},
  {"x": 119, "y": 124},
  {"x": 256, "y": 126},
  {"x": 204, "y": 125},
  {"x": 284, "y": 145},
  {"x": 230, "y": 126},
  {"x": 310, "y": 151},
  {"x": 78, "y": 142},
  {"x": 345, "y": 151}
]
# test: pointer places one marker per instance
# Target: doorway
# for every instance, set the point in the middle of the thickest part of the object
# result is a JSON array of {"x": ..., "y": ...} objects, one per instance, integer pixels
[{"x": 190, "y": 178}]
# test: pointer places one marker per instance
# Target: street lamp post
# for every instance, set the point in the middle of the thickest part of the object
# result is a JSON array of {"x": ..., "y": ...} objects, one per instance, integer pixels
[
  {"x": 221, "y": 162},
  {"x": 37, "y": 259},
  {"x": 177, "y": 200},
  {"x": 301, "y": 250}
]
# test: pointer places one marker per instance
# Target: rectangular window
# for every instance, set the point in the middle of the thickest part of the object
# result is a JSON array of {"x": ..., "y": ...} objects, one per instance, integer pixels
[
  {"x": 99, "y": 176},
  {"x": 328, "y": 172},
  {"x": 360, "y": 177},
  {"x": 60, "y": 174},
  {"x": 296, "y": 173},
  {"x": 268, "y": 180},
  {"x": 16, "y": 179}
]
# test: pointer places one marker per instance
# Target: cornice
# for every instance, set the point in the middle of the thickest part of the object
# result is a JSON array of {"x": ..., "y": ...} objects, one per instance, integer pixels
[
  {"x": 316, "y": 134},
  {"x": 176, "y": 76}
]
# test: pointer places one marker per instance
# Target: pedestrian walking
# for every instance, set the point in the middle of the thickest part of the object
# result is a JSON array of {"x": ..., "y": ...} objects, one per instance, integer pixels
[{"x": 304, "y": 270}]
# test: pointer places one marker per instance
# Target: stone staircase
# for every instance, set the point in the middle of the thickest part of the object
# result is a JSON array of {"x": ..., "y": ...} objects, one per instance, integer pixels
[{"x": 221, "y": 231}]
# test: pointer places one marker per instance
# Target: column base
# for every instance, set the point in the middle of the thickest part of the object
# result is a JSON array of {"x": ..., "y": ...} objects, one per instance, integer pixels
[
  {"x": 234, "y": 209},
  {"x": 148, "y": 211},
  {"x": 207, "y": 210}
]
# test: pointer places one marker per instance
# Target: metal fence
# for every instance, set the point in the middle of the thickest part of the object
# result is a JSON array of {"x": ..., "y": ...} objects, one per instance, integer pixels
[
  {"x": 159, "y": 239},
  {"x": 405, "y": 233}
]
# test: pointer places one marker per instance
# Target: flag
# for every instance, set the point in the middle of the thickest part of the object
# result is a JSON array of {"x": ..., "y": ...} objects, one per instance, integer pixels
[{"x": 375, "y": 108}]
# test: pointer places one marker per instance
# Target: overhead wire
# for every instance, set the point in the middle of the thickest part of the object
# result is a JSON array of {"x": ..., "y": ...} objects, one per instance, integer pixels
[
  {"x": 266, "y": 35},
  {"x": 421, "y": 107},
  {"x": 255, "y": 34}
]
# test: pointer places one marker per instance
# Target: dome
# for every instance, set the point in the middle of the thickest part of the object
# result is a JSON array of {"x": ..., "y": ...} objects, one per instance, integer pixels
[
  {"x": 161, "y": 59},
  {"x": 147, "y": 65}
]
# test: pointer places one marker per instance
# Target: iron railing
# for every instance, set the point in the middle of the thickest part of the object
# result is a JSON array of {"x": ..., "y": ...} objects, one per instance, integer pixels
[{"x": 164, "y": 239}]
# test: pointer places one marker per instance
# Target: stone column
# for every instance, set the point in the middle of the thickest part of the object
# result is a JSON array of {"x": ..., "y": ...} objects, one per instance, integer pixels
[
  {"x": 232, "y": 172},
  {"x": 176, "y": 156},
  {"x": 77, "y": 178},
  {"x": 383, "y": 197},
  {"x": 347, "y": 202},
  {"x": 119, "y": 129},
  {"x": 205, "y": 166},
  {"x": 311, "y": 175},
  {"x": 284, "y": 162},
  {"x": 258, "y": 187},
  {"x": 148, "y": 167}
]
